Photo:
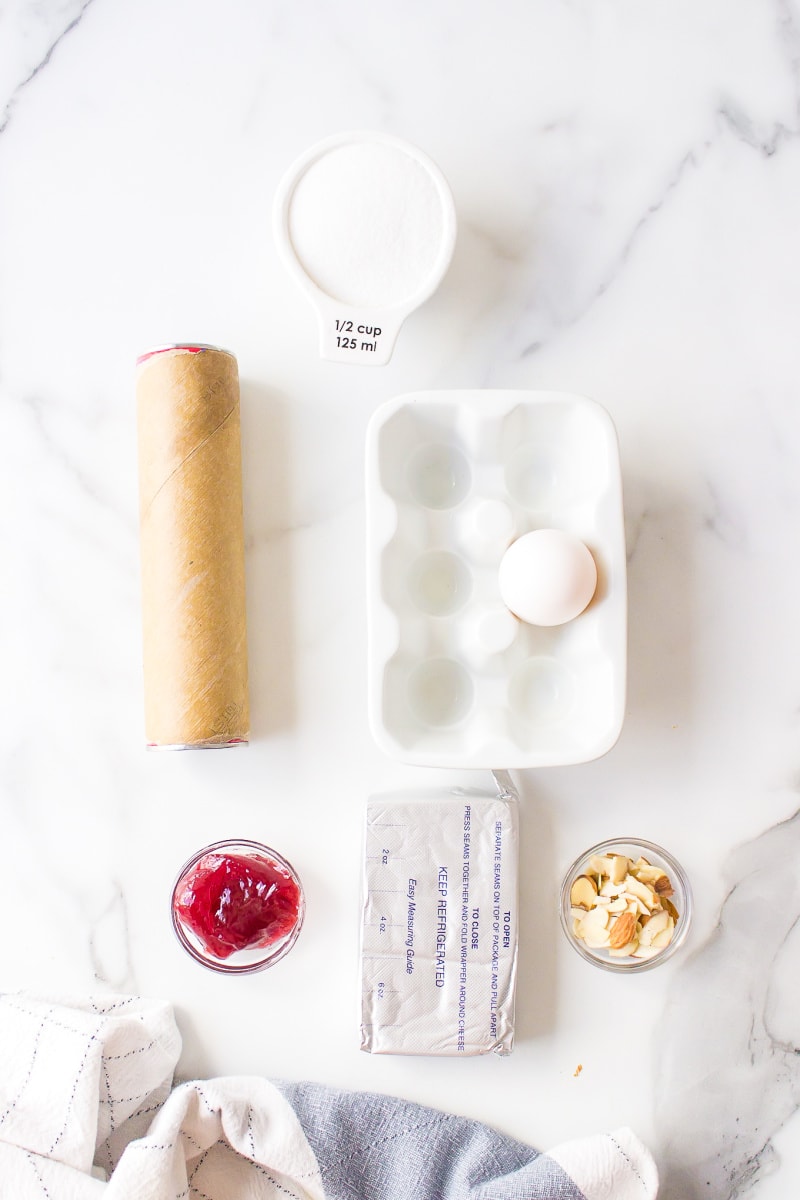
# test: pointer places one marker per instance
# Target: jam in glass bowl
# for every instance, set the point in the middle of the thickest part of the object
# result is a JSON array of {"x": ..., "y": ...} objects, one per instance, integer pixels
[{"x": 237, "y": 906}]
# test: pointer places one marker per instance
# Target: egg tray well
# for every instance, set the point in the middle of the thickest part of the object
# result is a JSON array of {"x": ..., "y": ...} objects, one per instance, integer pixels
[{"x": 453, "y": 478}]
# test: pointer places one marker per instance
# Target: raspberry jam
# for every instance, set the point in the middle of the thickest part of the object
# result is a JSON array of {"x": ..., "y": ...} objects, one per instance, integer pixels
[{"x": 237, "y": 906}]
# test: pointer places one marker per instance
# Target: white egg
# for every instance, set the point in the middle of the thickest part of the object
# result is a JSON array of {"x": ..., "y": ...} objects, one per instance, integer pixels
[{"x": 547, "y": 577}]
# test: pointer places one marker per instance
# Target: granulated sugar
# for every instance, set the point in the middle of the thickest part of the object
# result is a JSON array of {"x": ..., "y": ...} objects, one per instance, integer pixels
[{"x": 366, "y": 223}]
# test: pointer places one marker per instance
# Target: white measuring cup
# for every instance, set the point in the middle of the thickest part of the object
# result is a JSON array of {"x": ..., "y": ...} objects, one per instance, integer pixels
[{"x": 366, "y": 225}]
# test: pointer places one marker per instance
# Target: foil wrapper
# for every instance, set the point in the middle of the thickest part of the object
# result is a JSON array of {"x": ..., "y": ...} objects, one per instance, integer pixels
[{"x": 439, "y": 923}]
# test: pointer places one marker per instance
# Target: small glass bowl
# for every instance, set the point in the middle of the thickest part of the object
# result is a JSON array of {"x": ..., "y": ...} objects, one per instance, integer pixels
[
  {"x": 250, "y": 959},
  {"x": 633, "y": 848}
]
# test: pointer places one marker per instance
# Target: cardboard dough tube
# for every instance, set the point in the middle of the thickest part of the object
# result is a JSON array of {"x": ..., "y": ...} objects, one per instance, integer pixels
[{"x": 192, "y": 548}]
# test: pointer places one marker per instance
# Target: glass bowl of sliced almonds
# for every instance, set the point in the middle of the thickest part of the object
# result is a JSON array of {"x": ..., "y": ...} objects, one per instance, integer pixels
[{"x": 626, "y": 905}]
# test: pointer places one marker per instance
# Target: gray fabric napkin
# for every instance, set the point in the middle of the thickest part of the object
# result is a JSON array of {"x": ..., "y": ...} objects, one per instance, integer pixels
[{"x": 388, "y": 1149}]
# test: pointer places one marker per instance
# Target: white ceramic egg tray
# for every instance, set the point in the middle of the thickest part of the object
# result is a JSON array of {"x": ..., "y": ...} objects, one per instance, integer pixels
[{"x": 454, "y": 679}]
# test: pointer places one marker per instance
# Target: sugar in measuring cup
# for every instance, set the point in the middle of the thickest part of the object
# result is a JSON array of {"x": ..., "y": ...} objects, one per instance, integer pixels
[{"x": 366, "y": 225}]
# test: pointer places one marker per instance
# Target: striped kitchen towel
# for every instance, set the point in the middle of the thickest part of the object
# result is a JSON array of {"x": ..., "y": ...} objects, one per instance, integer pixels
[{"x": 89, "y": 1111}]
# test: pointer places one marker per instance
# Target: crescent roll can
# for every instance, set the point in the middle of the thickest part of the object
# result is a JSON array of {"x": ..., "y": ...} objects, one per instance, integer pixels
[{"x": 192, "y": 548}]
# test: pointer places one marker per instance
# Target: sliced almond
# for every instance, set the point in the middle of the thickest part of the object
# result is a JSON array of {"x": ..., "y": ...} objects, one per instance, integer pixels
[
  {"x": 596, "y": 918},
  {"x": 646, "y": 874},
  {"x": 662, "y": 939},
  {"x": 654, "y": 926},
  {"x": 596, "y": 939},
  {"x": 644, "y": 952},
  {"x": 641, "y": 891},
  {"x": 620, "y": 867},
  {"x": 625, "y": 951},
  {"x": 658, "y": 921},
  {"x": 600, "y": 864},
  {"x": 663, "y": 887},
  {"x": 583, "y": 893},
  {"x": 671, "y": 909},
  {"x": 622, "y": 931},
  {"x": 609, "y": 889}
]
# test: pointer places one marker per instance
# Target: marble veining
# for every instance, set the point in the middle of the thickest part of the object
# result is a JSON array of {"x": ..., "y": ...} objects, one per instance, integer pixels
[
  {"x": 728, "y": 1061},
  {"x": 110, "y": 944},
  {"x": 626, "y": 180},
  {"x": 36, "y": 33}
]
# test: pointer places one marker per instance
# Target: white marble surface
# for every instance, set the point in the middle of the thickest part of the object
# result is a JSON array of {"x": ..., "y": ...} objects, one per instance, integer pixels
[{"x": 627, "y": 178}]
